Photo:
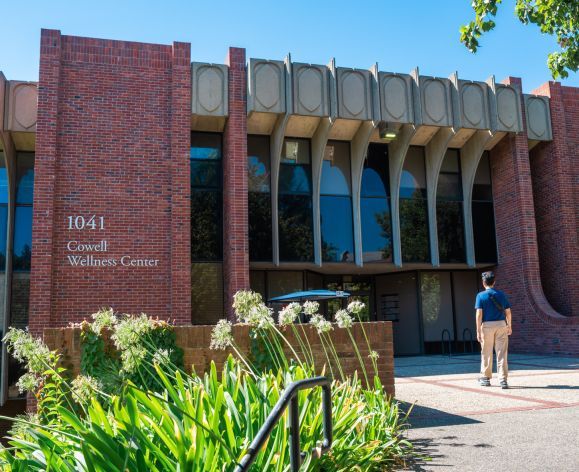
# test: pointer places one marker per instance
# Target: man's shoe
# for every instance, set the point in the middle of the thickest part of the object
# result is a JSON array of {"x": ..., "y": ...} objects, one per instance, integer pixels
[
  {"x": 484, "y": 382},
  {"x": 504, "y": 384}
]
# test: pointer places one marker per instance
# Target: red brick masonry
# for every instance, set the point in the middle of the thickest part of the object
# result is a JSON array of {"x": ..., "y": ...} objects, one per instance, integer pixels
[
  {"x": 194, "y": 340},
  {"x": 113, "y": 143},
  {"x": 537, "y": 327}
]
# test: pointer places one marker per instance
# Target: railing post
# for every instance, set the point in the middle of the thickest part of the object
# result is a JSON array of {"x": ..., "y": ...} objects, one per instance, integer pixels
[{"x": 294, "y": 420}]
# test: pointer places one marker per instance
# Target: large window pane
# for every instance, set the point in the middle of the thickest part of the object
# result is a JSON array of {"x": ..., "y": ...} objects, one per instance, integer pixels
[
  {"x": 485, "y": 246},
  {"x": 205, "y": 146},
  {"x": 337, "y": 233},
  {"x": 22, "y": 238},
  {"x": 414, "y": 230},
  {"x": 482, "y": 189},
  {"x": 450, "y": 223},
  {"x": 336, "y": 178},
  {"x": 206, "y": 293},
  {"x": 24, "y": 178},
  {"x": 296, "y": 151},
  {"x": 295, "y": 228},
  {"x": 258, "y": 163},
  {"x": 413, "y": 180},
  {"x": 284, "y": 282},
  {"x": 259, "y": 205},
  {"x": 376, "y": 229},
  {"x": 206, "y": 174},
  {"x": 449, "y": 187},
  {"x": 436, "y": 300},
  {"x": 257, "y": 282},
  {"x": 295, "y": 179},
  {"x": 375, "y": 176},
  {"x": 206, "y": 220}
]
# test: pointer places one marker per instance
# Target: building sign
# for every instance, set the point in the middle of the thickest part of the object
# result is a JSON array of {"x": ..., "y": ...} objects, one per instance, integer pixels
[{"x": 82, "y": 253}]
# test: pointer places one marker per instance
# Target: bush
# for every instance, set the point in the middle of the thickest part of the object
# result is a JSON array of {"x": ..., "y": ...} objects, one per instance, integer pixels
[{"x": 160, "y": 418}]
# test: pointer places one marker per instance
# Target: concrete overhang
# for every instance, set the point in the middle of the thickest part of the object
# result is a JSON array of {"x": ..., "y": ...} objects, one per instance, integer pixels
[
  {"x": 18, "y": 111},
  {"x": 538, "y": 117}
]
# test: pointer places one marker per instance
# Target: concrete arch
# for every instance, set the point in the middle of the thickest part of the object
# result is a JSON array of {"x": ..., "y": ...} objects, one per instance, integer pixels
[
  {"x": 397, "y": 153},
  {"x": 277, "y": 138},
  {"x": 435, "y": 151},
  {"x": 319, "y": 141},
  {"x": 470, "y": 156},
  {"x": 359, "y": 148}
]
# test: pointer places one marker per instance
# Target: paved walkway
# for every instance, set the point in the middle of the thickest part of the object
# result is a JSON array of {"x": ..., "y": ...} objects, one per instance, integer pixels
[{"x": 533, "y": 426}]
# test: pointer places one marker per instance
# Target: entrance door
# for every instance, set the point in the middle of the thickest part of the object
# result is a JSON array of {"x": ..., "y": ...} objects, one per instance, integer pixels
[{"x": 397, "y": 302}]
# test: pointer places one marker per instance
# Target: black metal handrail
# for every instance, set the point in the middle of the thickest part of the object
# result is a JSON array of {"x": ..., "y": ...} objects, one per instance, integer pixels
[
  {"x": 289, "y": 397},
  {"x": 449, "y": 341}
]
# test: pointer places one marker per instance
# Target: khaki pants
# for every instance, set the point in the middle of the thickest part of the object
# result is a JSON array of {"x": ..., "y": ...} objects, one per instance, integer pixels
[{"x": 494, "y": 335}]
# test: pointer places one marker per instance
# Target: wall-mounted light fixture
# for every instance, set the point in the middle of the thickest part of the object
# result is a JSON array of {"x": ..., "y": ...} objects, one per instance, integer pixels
[{"x": 387, "y": 132}]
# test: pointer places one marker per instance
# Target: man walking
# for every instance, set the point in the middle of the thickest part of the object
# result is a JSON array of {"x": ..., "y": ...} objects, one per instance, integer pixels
[{"x": 493, "y": 328}]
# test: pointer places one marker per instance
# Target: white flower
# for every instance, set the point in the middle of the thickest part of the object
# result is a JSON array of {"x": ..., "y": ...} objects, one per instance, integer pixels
[
  {"x": 243, "y": 302},
  {"x": 131, "y": 330},
  {"x": 260, "y": 316},
  {"x": 343, "y": 319},
  {"x": 222, "y": 335},
  {"x": 356, "y": 307},
  {"x": 28, "y": 350},
  {"x": 132, "y": 358},
  {"x": 28, "y": 383},
  {"x": 322, "y": 325},
  {"x": 373, "y": 355},
  {"x": 289, "y": 314},
  {"x": 84, "y": 388},
  {"x": 104, "y": 318},
  {"x": 311, "y": 308},
  {"x": 162, "y": 357}
]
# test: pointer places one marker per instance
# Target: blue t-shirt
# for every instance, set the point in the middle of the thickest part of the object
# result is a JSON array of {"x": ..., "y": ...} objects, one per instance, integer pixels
[{"x": 490, "y": 311}]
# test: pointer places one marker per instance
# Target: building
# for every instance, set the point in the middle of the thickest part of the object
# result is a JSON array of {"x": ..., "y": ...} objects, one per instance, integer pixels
[{"x": 135, "y": 178}]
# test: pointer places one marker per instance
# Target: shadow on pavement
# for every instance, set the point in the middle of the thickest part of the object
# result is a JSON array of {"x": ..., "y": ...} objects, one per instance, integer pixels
[{"x": 424, "y": 417}]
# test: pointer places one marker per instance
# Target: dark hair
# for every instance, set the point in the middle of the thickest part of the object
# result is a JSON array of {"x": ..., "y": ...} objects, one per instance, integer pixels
[{"x": 488, "y": 278}]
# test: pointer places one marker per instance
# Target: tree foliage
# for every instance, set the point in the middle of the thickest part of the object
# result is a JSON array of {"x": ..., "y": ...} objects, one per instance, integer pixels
[{"x": 559, "y": 18}]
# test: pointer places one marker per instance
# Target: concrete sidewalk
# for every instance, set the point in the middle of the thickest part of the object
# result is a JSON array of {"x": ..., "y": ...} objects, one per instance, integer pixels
[{"x": 533, "y": 426}]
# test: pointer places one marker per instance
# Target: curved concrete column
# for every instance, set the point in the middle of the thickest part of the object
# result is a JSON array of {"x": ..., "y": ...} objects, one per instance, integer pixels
[
  {"x": 277, "y": 137},
  {"x": 10, "y": 162},
  {"x": 319, "y": 141},
  {"x": 435, "y": 151},
  {"x": 397, "y": 153},
  {"x": 470, "y": 156},
  {"x": 358, "y": 150}
]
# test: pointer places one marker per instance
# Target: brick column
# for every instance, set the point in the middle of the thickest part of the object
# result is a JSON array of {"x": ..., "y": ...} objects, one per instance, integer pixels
[
  {"x": 537, "y": 327},
  {"x": 554, "y": 189},
  {"x": 44, "y": 181},
  {"x": 235, "y": 225},
  {"x": 181, "y": 183}
]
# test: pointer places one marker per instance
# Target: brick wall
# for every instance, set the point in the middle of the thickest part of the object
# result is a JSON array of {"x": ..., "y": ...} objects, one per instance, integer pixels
[
  {"x": 555, "y": 196},
  {"x": 194, "y": 340},
  {"x": 113, "y": 139},
  {"x": 537, "y": 327},
  {"x": 235, "y": 207}
]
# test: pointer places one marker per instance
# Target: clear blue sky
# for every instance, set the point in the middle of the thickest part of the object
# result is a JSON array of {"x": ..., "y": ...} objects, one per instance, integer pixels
[{"x": 397, "y": 34}]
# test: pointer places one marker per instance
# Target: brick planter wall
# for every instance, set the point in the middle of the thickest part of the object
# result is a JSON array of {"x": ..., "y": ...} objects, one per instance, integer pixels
[{"x": 194, "y": 340}]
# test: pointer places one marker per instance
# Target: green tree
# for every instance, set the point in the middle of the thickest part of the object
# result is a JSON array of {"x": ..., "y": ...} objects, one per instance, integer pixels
[{"x": 555, "y": 17}]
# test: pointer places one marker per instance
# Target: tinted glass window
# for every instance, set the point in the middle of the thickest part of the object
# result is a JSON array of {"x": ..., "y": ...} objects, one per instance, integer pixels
[
  {"x": 337, "y": 233},
  {"x": 376, "y": 229},
  {"x": 295, "y": 228},
  {"x": 24, "y": 178},
  {"x": 259, "y": 205},
  {"x": 413, "y": 179},
  {"x": 258, "y": 163},
  {"x": 375, "y": 176},
  {"x": 296, "y": 151},
  {"x": 482, "y": 189},
  {"x": 206, "y": 293},
  {"x": 414, "y": 230},
  {"x": 205, "y": 146},
  {"x": 295, "y": 179},
  {"x": 485, "y": 246},
  {"x": 206, "y": 236},
  {"x": 413, "y": 208},
  {"x": 450, "y": 223},
  {"x": 336, "y": 178},
  {"x": 206, "y": 197}
]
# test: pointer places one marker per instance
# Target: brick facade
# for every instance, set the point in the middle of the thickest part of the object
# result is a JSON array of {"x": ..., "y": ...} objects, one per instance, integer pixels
[
  {"x": 235, "y": 196},
  {"x": 113, "y": 140},
  {"x": 194, "y": 340},
  {"x": 555, "y": 196},
  {"x": 537, "y": 327}
]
